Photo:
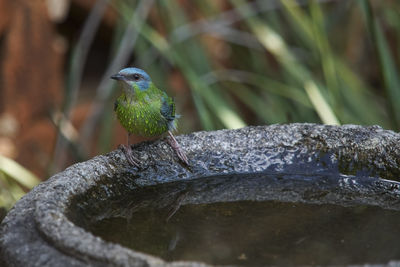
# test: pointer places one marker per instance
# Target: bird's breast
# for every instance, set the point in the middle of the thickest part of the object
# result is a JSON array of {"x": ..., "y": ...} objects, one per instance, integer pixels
[{"x": 141, "y": 118}]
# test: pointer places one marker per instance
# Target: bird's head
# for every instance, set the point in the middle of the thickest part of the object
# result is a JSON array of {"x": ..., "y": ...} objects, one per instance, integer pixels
[{"x": 131, "y": 76}]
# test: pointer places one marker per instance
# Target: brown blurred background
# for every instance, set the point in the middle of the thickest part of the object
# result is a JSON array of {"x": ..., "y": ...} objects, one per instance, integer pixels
[{"x": 35, "y": 39}]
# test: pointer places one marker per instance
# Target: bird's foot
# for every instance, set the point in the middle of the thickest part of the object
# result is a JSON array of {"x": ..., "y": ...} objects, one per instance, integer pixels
[
  {"x": 129, "y": 155},
  {"x": 175, "y": 146}
]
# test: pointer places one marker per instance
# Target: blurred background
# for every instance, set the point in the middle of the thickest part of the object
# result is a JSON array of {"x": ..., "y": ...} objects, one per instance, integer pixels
[{"x": 228, "y": 64}]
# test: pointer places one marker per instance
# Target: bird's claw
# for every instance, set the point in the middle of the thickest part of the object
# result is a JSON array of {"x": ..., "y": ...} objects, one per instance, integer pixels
[
  {"x": 175, "y": 146},
  {"x": 129, "y": 156},
  {"x": 182, "y": 155}
]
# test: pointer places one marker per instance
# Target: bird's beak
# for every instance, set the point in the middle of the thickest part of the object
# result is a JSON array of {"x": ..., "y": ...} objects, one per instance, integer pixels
[{"x": 118, "y": 77}]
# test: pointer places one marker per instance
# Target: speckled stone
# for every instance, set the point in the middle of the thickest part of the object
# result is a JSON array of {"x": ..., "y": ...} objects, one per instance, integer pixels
[{"x": 42, "y": 228}]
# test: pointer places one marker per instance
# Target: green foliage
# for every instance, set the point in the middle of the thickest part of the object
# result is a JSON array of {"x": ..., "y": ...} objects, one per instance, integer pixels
[{"x": 262, "y": 62}]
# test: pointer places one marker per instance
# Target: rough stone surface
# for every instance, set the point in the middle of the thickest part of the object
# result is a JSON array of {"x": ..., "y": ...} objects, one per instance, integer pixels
[{"x": 44, "y": 227}]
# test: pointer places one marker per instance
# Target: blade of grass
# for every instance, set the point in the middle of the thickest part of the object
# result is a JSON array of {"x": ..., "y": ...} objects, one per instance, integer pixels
[
  {"x": 10, "y": 191},
  {"x": 18, "y": 173},
  {"x": 360, "y": 100},
  {"x": 325, "y": 52},
  {"x": 321, "y": 106},
  {"x": 261, "y": 81},
  {"x": 389, "y": 70}
]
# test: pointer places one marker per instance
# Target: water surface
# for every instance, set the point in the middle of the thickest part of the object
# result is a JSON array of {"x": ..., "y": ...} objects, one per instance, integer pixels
[{"x": 265, "y": 232}]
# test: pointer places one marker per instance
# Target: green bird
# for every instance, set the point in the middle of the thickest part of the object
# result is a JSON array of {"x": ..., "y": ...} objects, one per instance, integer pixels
[{"x": 145, "y": 110}]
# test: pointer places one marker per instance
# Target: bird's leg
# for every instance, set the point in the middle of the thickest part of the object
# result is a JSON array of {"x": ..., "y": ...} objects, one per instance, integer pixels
[
  {"x": 128, "y": 153},
  {"x": 174, "y": 144}
]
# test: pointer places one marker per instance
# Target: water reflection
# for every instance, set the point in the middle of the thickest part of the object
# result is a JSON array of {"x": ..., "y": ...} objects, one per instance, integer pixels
[{"x": 266, "y": 232}]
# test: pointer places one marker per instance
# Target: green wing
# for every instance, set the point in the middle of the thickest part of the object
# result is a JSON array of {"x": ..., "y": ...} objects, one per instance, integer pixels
[{"x": 168, "y": 111}]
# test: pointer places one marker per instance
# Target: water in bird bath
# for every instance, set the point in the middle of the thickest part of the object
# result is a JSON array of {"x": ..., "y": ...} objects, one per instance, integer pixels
[
  {"x": 256, "y": 233},
  {"x": 253, "y": 219}
]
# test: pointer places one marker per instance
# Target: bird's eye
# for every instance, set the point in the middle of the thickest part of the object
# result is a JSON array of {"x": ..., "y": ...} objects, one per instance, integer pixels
[{"x": 136, "y": 77}]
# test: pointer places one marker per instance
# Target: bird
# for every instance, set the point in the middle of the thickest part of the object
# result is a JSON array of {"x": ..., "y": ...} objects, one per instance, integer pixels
[{"x": 143, "y": 109}]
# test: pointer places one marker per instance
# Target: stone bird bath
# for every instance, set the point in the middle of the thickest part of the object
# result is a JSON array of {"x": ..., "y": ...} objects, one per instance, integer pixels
[{"x": 269, "y": 195}]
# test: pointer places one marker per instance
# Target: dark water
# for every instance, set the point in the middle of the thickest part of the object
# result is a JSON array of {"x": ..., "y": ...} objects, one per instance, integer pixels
[{"x": 255, "y": 233}]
